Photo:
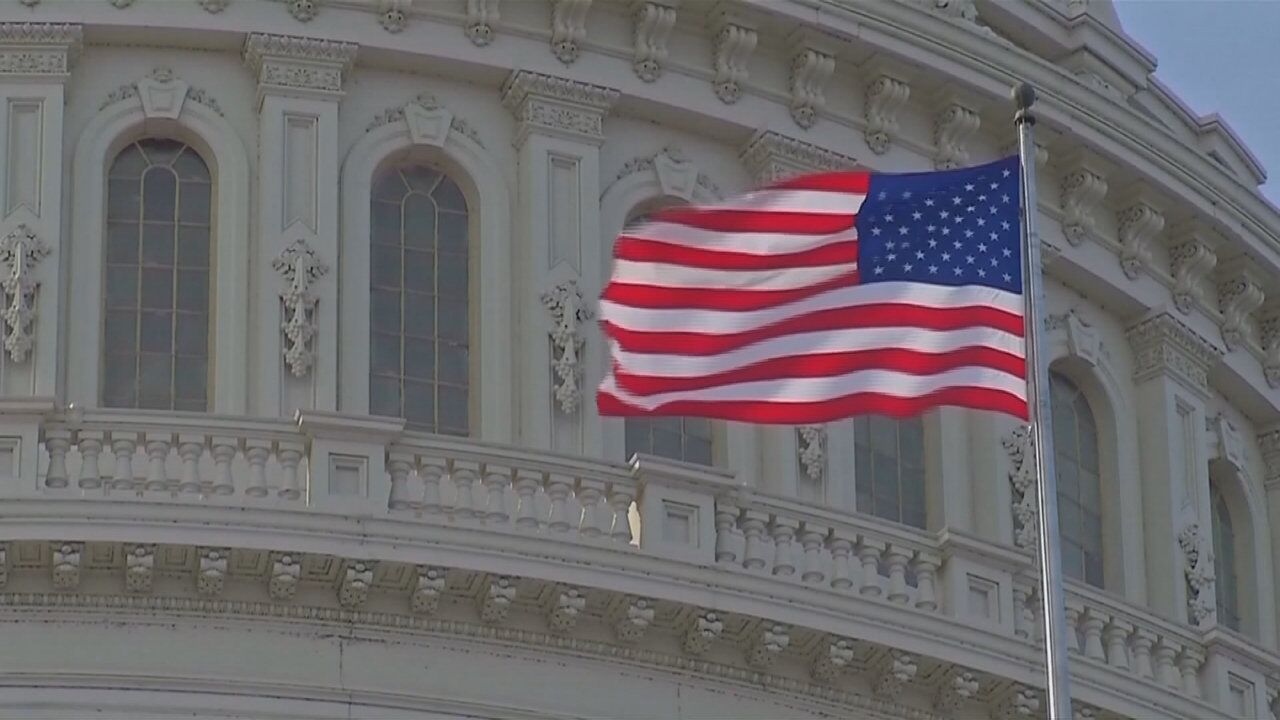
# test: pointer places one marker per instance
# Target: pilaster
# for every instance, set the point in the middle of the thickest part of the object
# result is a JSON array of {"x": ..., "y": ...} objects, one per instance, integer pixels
[
  {"x": 559, "y": 130},
  {"x": 1171, "y": 365},
  {"x": 35, "y": 63},
  {"x": 299, "y": 88},
  {"x": 1269, "y": 447}
]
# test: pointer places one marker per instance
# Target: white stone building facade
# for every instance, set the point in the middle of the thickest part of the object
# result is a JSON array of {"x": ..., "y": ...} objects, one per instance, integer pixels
[{"x": 296, "y": 416}]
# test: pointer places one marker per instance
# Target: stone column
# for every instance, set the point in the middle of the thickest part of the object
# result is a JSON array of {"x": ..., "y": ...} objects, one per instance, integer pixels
[
  {"x": 1269, "y": 446},
  {"x": 768, "y": 456},
  {"x": 1171, "y": 364},
  {"x": 35, "y": 63},
  {"x": 559, "y": 130},
  {"x": 296, "y": 289}
]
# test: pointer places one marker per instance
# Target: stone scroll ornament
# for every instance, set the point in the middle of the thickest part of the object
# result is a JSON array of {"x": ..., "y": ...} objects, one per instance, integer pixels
[
  {"x": 20, "y": 251},
  {"x": 299, "y": 266},
  {"x": 568, "y": 312}
]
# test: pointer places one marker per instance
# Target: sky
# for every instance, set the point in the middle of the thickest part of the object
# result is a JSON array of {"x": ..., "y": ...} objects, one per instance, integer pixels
[{"x": 1219, "y": 56}]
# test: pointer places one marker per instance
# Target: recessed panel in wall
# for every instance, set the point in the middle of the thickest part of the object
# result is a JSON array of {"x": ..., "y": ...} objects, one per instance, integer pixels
[
  {"x": 22, "y": 155},
  {"x": 301, "y": 146}
]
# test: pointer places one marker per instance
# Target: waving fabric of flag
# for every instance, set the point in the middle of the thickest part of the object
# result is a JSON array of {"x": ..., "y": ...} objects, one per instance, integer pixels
[{"x": 823, "y": 297}]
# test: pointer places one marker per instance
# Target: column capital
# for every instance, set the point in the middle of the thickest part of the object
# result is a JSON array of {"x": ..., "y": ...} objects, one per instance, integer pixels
[
  {"x": 38, "y": 51},
  {"x": 553, "y": 105},
  {"x": 298, "y": 66},
  {"x": 772, "y": 156},
  {"x": 1162, "y": 345}
]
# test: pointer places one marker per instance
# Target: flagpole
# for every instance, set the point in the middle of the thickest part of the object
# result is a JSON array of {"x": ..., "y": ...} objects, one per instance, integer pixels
[{"x": 1053, "y": 606}]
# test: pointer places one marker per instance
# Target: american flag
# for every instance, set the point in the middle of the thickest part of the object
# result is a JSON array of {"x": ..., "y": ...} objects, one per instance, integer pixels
[{"x": 822, "y": 297}]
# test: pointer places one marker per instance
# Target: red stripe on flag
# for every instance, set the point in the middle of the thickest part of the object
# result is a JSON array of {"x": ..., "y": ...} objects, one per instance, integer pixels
[
  {"x": 645, "y": 250},
  {"x": 659, "y": 297},
  {"x": 846, "y": 182},
  {"x": 763, "y": 221}
]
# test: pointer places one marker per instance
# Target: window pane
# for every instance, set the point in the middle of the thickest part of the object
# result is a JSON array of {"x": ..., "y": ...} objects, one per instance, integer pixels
[
  {"x": 420, "y": 315},
  {"x": 449, "y": 197},
  {"x": 124, "y": 200},
  {"x": 453, "y": 275},
  {"x": 159, "y": 195},
  {"x": 384, "y": 396},
  {"x": 192, "y": 336},
  {"x": 419, "y": 401},
  {"x": 419, "y": 221},
  {"x": 157, "y": 244},
  {"x": 122, "y": 242},
  {"x": 453, "y": 410},
  {"x": 637, "y": 436},
  {"x": 421, "y": 179},
  {"x": 157, "y": 332},
  {"x": 190, "y": 166},
  {"x": 190, "y": 375},
  {"x": 385, "y": 308},
  {"x": 1079, "y": 485},
  {"x": 193, "y": 246},
  {"x": 121, "y": 332},
  {"x": 122, "y": 287},
  {"x": 384, "y": 355},
  {"x": 419, "y": 359},
  {"x": 452, "y": 232},
  {"x": 453, "y": 364},
  {"x": 129, "y": 164},
  {"x": 193, "y": 290}
]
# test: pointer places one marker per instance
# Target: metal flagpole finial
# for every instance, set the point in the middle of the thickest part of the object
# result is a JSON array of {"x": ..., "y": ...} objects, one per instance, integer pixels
[{"x": 1024, "y": 96}]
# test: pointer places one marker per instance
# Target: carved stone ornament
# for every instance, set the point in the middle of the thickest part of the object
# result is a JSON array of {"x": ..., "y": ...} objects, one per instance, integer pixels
[
  {"x": 772, "y": 157},
  {"x": 767, "y": 644},
  {"x": 813, "y": 450},
  {"x": 121, "y": 4},
  {"x": 1140, "y": 223},
  {"x": 1239, "y": 295},
  {"x": 303, "y": 10},
  {"x": 212, "y": 573},
  {"x": 568, "y": 312},
  {"x": 569, "y": 604},
  {"x": 957, "y": 687},
  {"x": 1164, "y": 345},
  {"x": 677, "y": 175},
  {"x": 482, "y": 15},
  {"x": 568, "y": 28},
  {"x": 1083, "y": 190},
  {"x": 285, "y": 572},
  {"x": 1230, "y": 444},
  {"x": 214, "y": 6},
  {"x": 556, "y": 105},
  {"x": 299, "y": 267},
  {"x": 38, "y": 49},
  {"x": 1022, "y": 475},
  {"x": 1020, "y": 702},
  {"x": 1197, "y": 553},
  {"x": 1191, "y": 262},
  {"x": 393, "y": 15},
  {"x": 706, "y": 628},
  {"x": 896, "y": 669},
  {"x": 886, "y": 96},
  {"x": 428, "y": 121},
  {"x": 425, "y": 598},
  {"x": 632, "y": 618},
  {"x": 1270, "y": 332},
  {"x": 20, "y": 251},
  {"x": 290, "y": 65},
  {"x": 66, "y": 565},
  {"x": 162, "y": 95},
  {"x": 831, "y": 660},
  {"x": 952, "y": 130},
  {"x": 496, "y": 600},
  {"x": 1269, "y": 447},
  {"x": 653, "y": 20},
  {"x": 812, "y": 63},
  {"x": 735, "y": 40},
  {"x": 139, "y": 568},
  {"x": 1082, "y": 340},
  {"x": 357, "y": 576}
]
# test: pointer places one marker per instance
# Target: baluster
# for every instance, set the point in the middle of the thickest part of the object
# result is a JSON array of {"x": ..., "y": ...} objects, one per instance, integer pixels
[
  {"x": 811, "y": 538},
  {"x": 590, "y": 495},
  {"x": 1073, "y": 628},
  {"x": 841, "y": 549},
  {"x": 527, "y": 484},
  {"x": 190, "y": 448},
  {"x": 57, "y": 443},
  {"x": 753, "y": 524},
  {"x": 620, "y": 497},
  {"x": 124, "y": 448},
  {"x": 726, "y": 519},
  {"x": 257, "y": 452},
  {"x": 431, "y": 471},
  {"x": 869, "y": 552},
  {"x": 1093, "y": 622},
  {"x": 558, "y": 488},
  {"x": 1166, "y": 672},
  {"x": 1142, "y": 640},
  {"x": 464, "y": 474},
  {"x": 925, "y": 566},
  {"x": 90, "y": 444},
  {"x": 1116, "y": 634},
  {"x": 496, "y": 480},
  {"x": 399, "y": 465},
  {"x": 783, "y": 530},
  {"x": 157, "y": 454},
  {"x": 897, "y": 559},
  {"x": 224, "y": 453},
  {"x": 290, "y": 454},
  {"x": 1189, "y": 663}
]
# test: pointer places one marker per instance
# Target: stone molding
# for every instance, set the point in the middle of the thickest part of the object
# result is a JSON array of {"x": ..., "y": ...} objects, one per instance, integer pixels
[
  {"x": 1163, "y": 344},
  {"x": 771, "y": 156},
  {"x": 557, "y": 106},
  {"x": 298, "y": 66},
  {"x": 39, "y": 50}
]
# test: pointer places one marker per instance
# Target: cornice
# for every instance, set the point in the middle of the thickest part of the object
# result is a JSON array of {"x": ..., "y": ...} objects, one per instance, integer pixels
[
  {"x": 556, "y": 105},
  {"x": 1163, "y": 344},
  {"x": 38, "y": 50}
]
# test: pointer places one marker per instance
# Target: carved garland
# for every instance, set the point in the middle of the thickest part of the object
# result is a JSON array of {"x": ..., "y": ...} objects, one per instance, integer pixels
[
  {"x": 568, "y": 310},
  {"x": 1022, "y": 475},
  {"x": 428, "y": 102},
  {"x": 813, "y": 446},
  {"x": 299, "y": 266},
  {"x": 159, "y": 77},
  {"x": 20, "y": 251},
  {"x": 1198, "y": 569}
]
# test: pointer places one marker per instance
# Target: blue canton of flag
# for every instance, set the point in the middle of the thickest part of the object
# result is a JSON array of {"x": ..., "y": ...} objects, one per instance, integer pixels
[{"x": 958, "y": 227}]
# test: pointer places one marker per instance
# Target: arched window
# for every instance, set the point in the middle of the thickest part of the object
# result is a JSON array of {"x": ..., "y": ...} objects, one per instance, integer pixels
[
  {"x": 889, "y": 474},
  {"x": 156, "y": 324},
  {"x": 1075, "y": 441},
  {"x": 1226, "y": 585},
  {"x": 418, "y": 312}
]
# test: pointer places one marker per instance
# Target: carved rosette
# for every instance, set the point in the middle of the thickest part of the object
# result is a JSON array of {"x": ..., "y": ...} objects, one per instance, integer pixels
[
  {"x": 813, "y": 449},
  {"x": 568, "y": 28},
  {"x": 772, "y": 157},
  {"x": 568, "y": 312},
  {"x": 952, "y": 130},
  {"x": 1164, "y": 345},
  {"x": 811, "y": 66},
  {"x": 735, "y": 40},
  {"x": 20, "y": 251},
  {"x": 1197, "y": 554},
  {"x": 289, "y": 65},
  {"x": 482, "y": 15},
  {"x": 1022, "y": 476},
  {"x": 1239, "y": 295},
  {"x": 556, "y": 105},
  {"x": 885, "y": 97},
  {"x": 1083, "y": 190},
  {"x": 38, "y": 49},
  {"x": 1139, "y": 224},
  {"x": 653, "y": 21},
  {"x": 299, "y": 267},
  {"x": 1191, "y": 262}
]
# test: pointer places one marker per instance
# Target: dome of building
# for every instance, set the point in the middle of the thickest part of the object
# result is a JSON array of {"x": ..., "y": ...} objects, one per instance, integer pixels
[{"x": 320, "y": 440}]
